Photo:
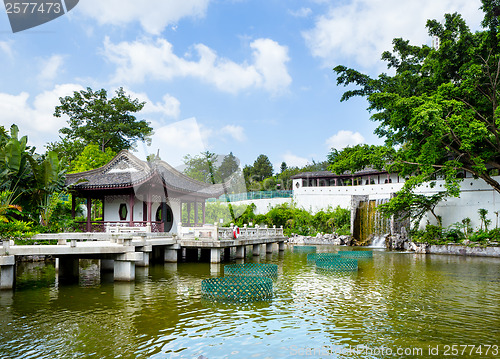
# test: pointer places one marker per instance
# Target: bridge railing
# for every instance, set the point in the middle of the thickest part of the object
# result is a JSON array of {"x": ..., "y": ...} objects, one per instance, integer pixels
[
  {"x": 228, "y": 233},
  {"x": 250, "y": 232}
]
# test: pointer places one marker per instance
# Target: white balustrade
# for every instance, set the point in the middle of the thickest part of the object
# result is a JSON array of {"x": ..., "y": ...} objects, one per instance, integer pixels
[{"x": 227, "y": 233}]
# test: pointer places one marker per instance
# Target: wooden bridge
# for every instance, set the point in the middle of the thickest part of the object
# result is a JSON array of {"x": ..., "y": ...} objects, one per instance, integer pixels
[{"x": 130, "y": 247}]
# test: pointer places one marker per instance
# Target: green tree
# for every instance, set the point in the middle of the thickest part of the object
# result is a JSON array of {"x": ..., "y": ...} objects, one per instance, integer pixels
[
  {"x": 283, "y": 167},
  {"x": 356, "y": 158},
  {"x": 439, "y": 110},
  {"x": 262, "y": 168},
  {"x": 67, "y": 148},
  {"x": 93, "y": 118},
  {"x": 201, "y": 167},
  {"x": 90, "y": 158},
  {"x": 411, "y": 205},
  {"x": 247, "y": 174},
  {"x": 227, "y": 168}
]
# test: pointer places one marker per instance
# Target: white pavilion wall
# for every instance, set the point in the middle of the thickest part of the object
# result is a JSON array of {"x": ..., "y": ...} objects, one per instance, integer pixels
[{"x": 112, "y": 205}]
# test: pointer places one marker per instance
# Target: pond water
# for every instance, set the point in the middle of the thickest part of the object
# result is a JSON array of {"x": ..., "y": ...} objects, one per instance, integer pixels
[{"x": 396, "y": 305}]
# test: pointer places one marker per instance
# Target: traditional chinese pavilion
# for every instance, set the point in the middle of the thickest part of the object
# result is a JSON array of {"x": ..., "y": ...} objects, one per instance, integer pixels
[{"x": 136, "y": 193}]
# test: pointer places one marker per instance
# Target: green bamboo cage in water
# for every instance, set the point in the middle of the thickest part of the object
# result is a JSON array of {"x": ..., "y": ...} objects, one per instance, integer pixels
[
  {"x": 337, "y": 265},
  {"x": 237, "y": 288},
  {"x": 313, "y": 257},
  {"x": 356, "y": 254},
  {"x": 251, "y": 270}
]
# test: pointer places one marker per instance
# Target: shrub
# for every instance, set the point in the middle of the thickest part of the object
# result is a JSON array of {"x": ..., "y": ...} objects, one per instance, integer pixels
[
  {"x": 16, "y": 230},
  {"x": 432, "y": 235}
]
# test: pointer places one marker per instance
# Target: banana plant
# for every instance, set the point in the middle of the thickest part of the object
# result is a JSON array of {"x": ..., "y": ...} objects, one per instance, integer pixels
[
  {"x": 14, "y": 159},
  {"x": 49, "y": 173}
]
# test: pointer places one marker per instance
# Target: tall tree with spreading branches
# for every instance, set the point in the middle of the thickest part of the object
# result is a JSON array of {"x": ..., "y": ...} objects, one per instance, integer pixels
[
  {"x": 95, "y": 118},
  {"x": 439, "y": 112}
]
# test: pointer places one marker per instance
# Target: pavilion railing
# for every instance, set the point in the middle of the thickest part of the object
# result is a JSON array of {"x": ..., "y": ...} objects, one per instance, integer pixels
[{"x": 120, "y": 226}]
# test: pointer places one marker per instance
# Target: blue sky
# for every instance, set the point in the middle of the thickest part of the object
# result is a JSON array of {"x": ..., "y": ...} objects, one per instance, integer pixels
[{"x": 249, "y": 77}]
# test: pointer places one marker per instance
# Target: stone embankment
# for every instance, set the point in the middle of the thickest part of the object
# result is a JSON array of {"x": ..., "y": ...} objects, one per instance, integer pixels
[
  {"x": 402, "y": 242},
  {"x": 492, "y": 250},
  {"x": 329, "y": 238}
]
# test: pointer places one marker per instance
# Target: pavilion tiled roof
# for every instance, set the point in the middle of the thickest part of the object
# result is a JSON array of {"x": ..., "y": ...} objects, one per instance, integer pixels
[{"x": 125, "y": 170}]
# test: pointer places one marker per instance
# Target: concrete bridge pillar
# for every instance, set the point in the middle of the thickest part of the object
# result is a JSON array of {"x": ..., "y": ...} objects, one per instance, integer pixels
[
  {"x": 124, "y": 266},
  {"x": 269, "y": 248},
  {"x": 145, "y": 260},
  {"x": 124, "y": 270},
  {"x": 240, "y": 252},
  {"x": 281, "y": 246},
  {"x": 146, "y": 254},
  {"x": 256, "y": 249},
  {"x": 7, "y": 272},
  {"x": 170, "y": 255},
  {"x": 215, "y": 255}
]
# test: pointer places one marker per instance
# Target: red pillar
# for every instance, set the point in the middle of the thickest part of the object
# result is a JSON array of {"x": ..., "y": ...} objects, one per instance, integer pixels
[
  {"x": 131, "y": 209},
  {"x": 195, "y": 213},
  {"x": 203, "y": 211},
  {"x": 89, "y": 214},
  {"x": 149, "y": 207}
]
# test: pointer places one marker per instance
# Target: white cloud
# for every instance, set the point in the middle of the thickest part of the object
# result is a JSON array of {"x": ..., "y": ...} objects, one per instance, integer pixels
[
  {"x": 293, "y": 160},
  {"x": 360, "y": 30},
  {"x": 345, "y": 138},
  {"x": 6, "y": 48},
  {"x": 177, "y": 140},
  {"x": 187, "y": 137},
  {"x": 236, "y": 132},
  {"x": 50, "y": 68},
  {"x": 169, "y": 106},
  {"x": 139, "y": 61},
  {"x": 153, "y": 15},
  {"x": 35, "y": 118},
  {"x": 302, "y": 12}
]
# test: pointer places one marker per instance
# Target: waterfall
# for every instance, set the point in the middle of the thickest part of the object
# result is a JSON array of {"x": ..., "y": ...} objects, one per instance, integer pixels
[
  {"x": 370, "y": 224},
  {"x": 378, "y": 242}
]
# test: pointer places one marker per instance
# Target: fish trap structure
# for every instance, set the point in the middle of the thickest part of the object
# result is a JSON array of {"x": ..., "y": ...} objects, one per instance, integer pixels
[
  {"x": 304, "y": 249},
  {"x": 356, "y": 254},
  {"x": 313, "y": 257},
  {"x": 237, "y": 288},
  {"x": 251, "y": 270},
  {"x": 337, "y": 265}
]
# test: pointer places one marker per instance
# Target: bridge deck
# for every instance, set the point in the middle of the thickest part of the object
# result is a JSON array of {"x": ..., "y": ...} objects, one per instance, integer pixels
[{"x": 128, "y": 250}]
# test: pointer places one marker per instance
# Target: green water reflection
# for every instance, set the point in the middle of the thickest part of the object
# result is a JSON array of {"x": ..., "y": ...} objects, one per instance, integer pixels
[{"x": 394, "y": 300}]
